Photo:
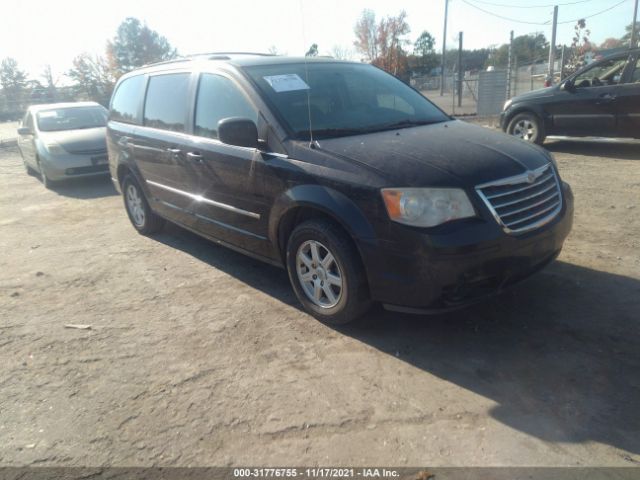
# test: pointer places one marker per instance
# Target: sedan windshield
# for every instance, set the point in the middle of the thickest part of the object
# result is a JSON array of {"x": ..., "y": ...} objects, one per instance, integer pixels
[
  {"x": 341, "y": 99},
  {"x": 71, "y": 118}
]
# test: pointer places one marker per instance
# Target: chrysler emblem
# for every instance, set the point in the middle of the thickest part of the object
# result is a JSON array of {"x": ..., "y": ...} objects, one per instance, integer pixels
[{"x": 531, "y": 177}]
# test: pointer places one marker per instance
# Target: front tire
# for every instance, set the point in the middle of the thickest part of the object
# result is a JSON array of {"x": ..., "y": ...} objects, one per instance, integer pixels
[
  {"x": 46, "y": 181},
  {"x": 143, "y": 219},
  {"x": 326, "y": 273},
  {"x": 528, "y": 127}
]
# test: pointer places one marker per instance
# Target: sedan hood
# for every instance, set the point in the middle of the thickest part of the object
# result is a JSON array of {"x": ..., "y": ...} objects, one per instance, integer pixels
[
  {"x": 452, "y": 153},
  {"x": 90, "y": 140}
]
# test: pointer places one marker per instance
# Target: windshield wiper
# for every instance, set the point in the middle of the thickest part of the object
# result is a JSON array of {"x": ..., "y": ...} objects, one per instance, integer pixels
[
  {"x": 332, "y": 132},
  {"x": 402, "y": 124}
]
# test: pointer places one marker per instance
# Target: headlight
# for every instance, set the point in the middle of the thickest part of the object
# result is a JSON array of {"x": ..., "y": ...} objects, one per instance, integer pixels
[
  {"x": 426, "y": 207},
  {"x": 55, "y": 149},
  {"x": 507, "y": 104}
]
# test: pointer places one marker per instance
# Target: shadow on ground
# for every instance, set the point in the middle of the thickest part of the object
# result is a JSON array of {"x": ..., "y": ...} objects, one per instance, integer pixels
[
  {"x": 559, "y": 353},
  {"x": 610, "y": 148},
  {"x": 86, "y": 188}
]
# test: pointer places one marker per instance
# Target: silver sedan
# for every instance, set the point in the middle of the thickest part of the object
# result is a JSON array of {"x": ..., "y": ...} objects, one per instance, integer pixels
[{"x": 64, "y": 140}]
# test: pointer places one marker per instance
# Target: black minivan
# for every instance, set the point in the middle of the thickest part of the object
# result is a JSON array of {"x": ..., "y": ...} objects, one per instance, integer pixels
[{"x": 356, "y": 183}]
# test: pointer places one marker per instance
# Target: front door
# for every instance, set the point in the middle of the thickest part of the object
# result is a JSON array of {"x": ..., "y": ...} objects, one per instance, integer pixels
[
  {"x": 629, "y": 103},
  {"x": 232, "y": 206},
  {"x": 589, "y": 107}
]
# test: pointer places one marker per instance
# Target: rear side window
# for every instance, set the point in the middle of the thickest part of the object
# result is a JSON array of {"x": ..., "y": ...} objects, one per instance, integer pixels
[
  {"x": 124, "y": 106},
  {"x": 167, "y": 100},
  {"x": 219, "y": 98}
]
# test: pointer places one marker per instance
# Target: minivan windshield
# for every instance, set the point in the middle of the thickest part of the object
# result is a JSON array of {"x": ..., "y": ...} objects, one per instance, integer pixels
[
  {"x": 341, "y": 99},
  {"x": 71, "y": 118}
]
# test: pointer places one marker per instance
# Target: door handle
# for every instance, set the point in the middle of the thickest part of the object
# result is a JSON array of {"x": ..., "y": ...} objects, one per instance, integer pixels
[
  {"x": 195, "y": 156},
  {"x": 607, "y": 97}
]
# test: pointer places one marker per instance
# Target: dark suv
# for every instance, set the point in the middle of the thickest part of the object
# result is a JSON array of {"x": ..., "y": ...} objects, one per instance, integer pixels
[
  {"x": 357, "y": 184},
  {"x": 602, "y": 99}
]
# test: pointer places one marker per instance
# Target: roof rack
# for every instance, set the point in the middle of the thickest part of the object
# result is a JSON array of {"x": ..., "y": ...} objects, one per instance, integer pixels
[{"x": 208, "y": 56}]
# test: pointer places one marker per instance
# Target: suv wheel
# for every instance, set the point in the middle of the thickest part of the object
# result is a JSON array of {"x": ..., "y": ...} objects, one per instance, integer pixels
[
  {"x": 527, "y": 127},
  {"x": 143, "y": 219},
  {"x": 326, "y": 273}
]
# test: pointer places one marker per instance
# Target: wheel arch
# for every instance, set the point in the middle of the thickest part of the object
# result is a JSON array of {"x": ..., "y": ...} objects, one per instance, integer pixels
[
  {"x": 303, "y": 202},
  {"x": 525, "y": 108}
]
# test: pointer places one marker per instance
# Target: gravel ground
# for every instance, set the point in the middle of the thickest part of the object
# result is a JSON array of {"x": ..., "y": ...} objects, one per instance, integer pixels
[{"x": 199, "y": 356}]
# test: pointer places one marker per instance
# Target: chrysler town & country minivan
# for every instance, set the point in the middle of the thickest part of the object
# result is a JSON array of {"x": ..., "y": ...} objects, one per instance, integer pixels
[{"x": 354, "y": 182}]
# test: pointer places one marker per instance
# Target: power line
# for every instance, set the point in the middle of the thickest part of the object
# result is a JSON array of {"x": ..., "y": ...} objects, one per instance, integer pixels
[
  {"x": 516, "y": 20},
  {"x": 595, "y": 14},
  {"x": 531, "y": 6}
]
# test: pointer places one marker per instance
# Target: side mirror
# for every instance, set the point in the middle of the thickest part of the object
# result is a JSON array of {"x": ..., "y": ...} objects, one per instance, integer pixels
[
  {"x": 24, "y": 131},
  {"x": 241, "y": 132},
  {"x": 568, "y": 86}
]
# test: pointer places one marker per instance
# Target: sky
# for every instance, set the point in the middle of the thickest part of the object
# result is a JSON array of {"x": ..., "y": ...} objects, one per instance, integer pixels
[{"x": 40, "y": 32}]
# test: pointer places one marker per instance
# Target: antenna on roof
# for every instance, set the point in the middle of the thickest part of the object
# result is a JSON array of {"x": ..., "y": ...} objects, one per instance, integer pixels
[{"x": 306, "y": 72}]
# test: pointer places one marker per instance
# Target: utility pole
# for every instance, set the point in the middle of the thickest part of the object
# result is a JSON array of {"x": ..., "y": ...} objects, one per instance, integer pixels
[
  {"x": 552, "y": 45},
  {"x": 460, "y": 72},
  {"x": 510, "y": 66},
  {"x": 444, "y": 45},
  {"x": 634, "y": 27}
]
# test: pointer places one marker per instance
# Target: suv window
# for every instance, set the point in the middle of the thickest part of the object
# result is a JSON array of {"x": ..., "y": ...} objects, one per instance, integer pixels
[
  {"x": 219, "y": 98},
  {"x": 606, "y": 73},
  {"x": 124, "y": 106},
  {"x": 167, "y": 100},
  {"x": 635, "y": 76}
]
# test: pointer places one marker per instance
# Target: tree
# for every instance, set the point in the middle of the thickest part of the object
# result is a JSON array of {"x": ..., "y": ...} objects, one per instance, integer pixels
[
  {"x": 341, "y": 53},
  {"x": 135, "y": 45},
  {"x": 424, "y": 45},
  {"x": 382, "y": 43},
  {"x": 580, "y": 45},
  {"x": 93, "y": 77},
  {"x": 12, "y": 79},
  {"x": 50, "y": 83},
  {"x": 626, "y": 38},
  {"x": 313, "y": 51},
  {"x": 366, "y": 31},
  {"x": 527, "y": 49},
  {"x": 610, "y": 43}
]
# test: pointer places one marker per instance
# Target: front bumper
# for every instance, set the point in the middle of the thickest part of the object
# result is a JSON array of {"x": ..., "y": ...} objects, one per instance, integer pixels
[
  {"x": 60, "y": 167},
  {"x": 471, "y": 261}
]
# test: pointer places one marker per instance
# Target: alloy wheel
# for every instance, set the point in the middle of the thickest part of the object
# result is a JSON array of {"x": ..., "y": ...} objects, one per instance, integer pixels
[
  {"x": 135, "y": 205},
  {"x": 319, "y": 274}
]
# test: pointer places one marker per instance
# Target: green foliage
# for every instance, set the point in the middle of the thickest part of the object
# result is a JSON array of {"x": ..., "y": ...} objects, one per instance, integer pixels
[
  {"x": 313, "y": 51},
  {"x": 626, "y": 38},
  {"x": 526, "y": 49},
  {"x": 424, "y": 45},
  {"x": 135, "y": 45},
  {"x": 12, "y": 79},
  {"x": 93, "y": 77}
]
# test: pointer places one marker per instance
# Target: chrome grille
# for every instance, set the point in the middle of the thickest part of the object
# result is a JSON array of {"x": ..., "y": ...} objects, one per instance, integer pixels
[{"x": 523, "y": 202}]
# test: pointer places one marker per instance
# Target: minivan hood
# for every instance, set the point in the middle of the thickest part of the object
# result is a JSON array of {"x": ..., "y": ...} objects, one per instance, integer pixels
[
  {"x": 78, "y": 141},
  {"x": 453, "y": 153}
]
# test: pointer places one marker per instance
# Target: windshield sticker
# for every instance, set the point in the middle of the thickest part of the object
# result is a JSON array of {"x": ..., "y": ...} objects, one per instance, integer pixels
[
  {"x": 286, "y": 83},
  {"x": 49, "y": 114}
]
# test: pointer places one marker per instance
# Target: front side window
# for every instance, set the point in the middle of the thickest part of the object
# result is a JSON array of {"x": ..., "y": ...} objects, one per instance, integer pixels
[
  {"x": 606, "y": 73},
  {"x": 341, "y": 99},
  {"x": 166, "y": 103},
  {"x": 124, "y": 106},
  {"x": 218, "y": 98},
  {"x": 635, "y": 76},
  {"x": 71, "y": 118}
]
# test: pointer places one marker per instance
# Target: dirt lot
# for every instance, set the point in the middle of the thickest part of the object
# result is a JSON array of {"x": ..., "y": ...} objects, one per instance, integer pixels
[{"x": 200, "y": 356}]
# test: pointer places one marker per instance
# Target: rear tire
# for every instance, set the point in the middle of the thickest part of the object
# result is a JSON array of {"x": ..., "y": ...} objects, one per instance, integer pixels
[
  {"x": 326, "y": 273},
  {"x": 143, "y": 219},
  {"x": 528, "y": 127}
]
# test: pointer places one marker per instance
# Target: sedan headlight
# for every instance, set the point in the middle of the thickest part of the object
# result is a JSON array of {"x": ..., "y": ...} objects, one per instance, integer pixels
[
  {"x": 426, "y": 207},
  {"x": 55, "y": 149}
]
